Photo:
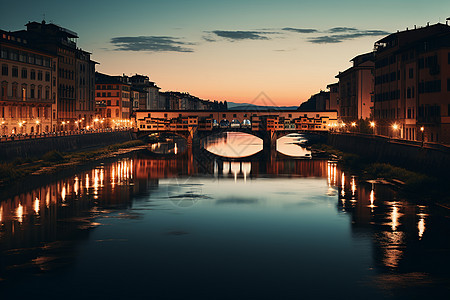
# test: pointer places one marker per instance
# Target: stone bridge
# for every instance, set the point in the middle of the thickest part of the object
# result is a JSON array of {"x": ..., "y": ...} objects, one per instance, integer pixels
[{"x": 269, "y": 137}]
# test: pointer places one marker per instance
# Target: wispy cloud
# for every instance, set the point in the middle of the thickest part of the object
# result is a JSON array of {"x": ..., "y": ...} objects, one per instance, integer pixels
[
  {"x": 342, "y": 29},
  {"x": 151, "y": 44},
  {"x": 241, "y": 35},
  {"x": 339, "y": 38},
  {"x": 300, "y": 30}
]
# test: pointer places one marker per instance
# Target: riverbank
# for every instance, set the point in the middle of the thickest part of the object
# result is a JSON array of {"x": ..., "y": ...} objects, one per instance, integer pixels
[
  {"x": 54, "y": 161},
  {"x": 416, "y": 185}
]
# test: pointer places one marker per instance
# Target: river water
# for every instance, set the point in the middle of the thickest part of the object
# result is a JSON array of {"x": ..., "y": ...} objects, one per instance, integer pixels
[{"x": 194, "y": 226}]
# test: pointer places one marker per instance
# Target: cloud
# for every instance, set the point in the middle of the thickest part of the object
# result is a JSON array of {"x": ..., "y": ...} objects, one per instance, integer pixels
[
  {"x": 151, "y": 44},
  {"x": 241, "y": 35},
  {"x": 341, "y": 29},
  {"x": 209, "y": 38},
  {"x": 300, "y": 30},
  {"x": 339, "y": 38}
]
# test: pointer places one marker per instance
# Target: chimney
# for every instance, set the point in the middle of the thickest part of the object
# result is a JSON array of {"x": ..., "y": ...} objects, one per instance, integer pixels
[
  {"x": 428, "y": 24},
  {"x": 415, "y": 27}
]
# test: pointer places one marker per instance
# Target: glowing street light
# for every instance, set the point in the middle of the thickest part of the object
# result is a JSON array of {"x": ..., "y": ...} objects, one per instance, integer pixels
[
  {"x": 395, "y": 127},
  {"x": 423, "y": 134},
  {"x": 372, "y": 124}
]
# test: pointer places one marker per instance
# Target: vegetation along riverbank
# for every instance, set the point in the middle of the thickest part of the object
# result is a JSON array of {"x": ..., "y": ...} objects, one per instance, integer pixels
[
  {"x": 54, "y": 161},
  {"x": 418, "y": 186}
]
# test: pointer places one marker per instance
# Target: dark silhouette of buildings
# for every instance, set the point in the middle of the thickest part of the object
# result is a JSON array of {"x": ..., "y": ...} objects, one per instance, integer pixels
[
  {"x": 412, "y": 84},
  {"x": 356, "y": 89}
]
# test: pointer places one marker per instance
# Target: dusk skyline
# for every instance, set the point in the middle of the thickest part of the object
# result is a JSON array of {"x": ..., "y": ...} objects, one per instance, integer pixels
[{"x": 229, "y": 51}]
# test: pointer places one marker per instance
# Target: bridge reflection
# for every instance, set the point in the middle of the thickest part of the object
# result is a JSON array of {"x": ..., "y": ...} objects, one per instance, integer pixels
[{"x": 41, "y": 228}]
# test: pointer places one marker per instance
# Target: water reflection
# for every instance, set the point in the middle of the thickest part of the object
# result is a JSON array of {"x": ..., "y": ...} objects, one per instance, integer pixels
[
  {"x": 233, "y": 144},
  {"x": 239, "y": 145},
  {"x": 293, "y": 145},
  {"x": 234, "y": 215}
]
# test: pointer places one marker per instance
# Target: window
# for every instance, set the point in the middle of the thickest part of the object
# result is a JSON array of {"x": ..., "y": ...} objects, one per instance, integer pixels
[
  {"x": 15, "y": 71},
  {"x": 24, "y": 73},
  {"x": 47, "y": 76},
  {"x": 5, "y": 70},
  {"x": 117, "y": 112},
  {"x": 98, "y": 94},
  {"x": 14, "y": 90},
  {"x": 4, "y": 89},
  {"x": 448, "y": 84},
  {"x": 32, "y": 92},
  {"x": 108, "y": 102},
  {"x": 39, "y": 75},
  {"x": 32, "y": 74},
  {"x": 109, "y": 94},
  {"x": 411, "y": 73}
]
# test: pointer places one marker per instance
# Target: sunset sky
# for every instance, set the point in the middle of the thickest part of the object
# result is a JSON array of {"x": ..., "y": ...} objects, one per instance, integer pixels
[{"x": 229, "y": 50}]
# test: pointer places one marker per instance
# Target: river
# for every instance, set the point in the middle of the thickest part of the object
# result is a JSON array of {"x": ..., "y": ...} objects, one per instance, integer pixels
[{"x": 191, "y": 226}]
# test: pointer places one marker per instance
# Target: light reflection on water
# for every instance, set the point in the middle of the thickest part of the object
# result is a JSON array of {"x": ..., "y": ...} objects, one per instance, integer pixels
[
  {"x": 229, "y": 225},
  {"x": 238, "y": 145},
  {"x": 233, "y": 144}
]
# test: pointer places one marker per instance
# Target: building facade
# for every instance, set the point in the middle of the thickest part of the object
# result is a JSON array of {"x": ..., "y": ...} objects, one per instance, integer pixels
[
  {"x": 113, "y": 103},
  {"x": 74, "y": 74},
  {"x": 412, "y": 84},
  {"x": 28, "y": 87},
  {"x": 332, "y": 104},
  {"x": 356, "y": 89},
  {"x": 150, "y": 92}
]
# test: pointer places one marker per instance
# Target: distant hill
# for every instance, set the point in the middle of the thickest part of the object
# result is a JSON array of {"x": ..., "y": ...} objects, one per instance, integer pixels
[{"x": 248, "y": 106}]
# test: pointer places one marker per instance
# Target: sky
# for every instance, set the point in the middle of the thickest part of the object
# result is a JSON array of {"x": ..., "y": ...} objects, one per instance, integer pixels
[{"x": 229, "y": 50}]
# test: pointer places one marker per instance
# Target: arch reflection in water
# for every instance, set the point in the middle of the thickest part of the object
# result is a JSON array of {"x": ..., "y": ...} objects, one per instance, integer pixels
[
  {"x": 293, "y": 145},
  {"x": 233, "y": 144}
]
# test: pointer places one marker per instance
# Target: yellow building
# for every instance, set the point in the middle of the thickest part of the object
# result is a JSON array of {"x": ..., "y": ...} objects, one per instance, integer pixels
[{"x": 28, "y": 87}]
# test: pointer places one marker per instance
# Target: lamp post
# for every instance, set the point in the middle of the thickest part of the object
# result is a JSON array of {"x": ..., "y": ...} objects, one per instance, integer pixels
[
  {"x": 372, "y": 124},
  {"x": 353, "y": 124},
  {"x": 422, "y": 129},
  {"x": 394, "y": 130}
]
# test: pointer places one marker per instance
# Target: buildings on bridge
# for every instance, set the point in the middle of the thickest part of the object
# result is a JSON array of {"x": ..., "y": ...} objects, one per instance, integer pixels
[{"x": 183, "y": 120}]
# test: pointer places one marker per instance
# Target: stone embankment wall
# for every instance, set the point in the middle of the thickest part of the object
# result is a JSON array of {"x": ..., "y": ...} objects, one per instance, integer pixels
[
  {"x": 429, "y": 158},
  {"x": 34, "y": 148}
]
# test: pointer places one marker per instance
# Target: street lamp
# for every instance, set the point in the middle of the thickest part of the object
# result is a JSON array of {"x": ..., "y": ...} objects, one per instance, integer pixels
[
  {"x": 353, "y": 125},
  {"x": 372, "y": 124},
  {"x": 422, "y": 129},
  {"x": 395, "y": 127}
]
